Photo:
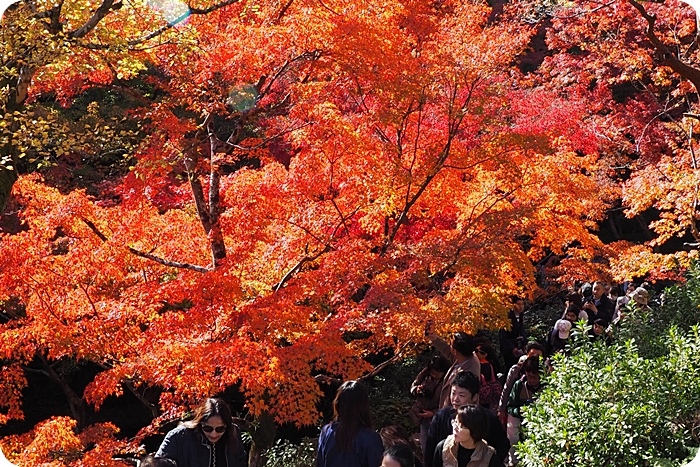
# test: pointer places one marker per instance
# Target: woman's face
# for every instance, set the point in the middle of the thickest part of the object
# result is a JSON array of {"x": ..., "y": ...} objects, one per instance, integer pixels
[
  {"x": 462, "y": 434},
  {"x": 210, "y": 427}
]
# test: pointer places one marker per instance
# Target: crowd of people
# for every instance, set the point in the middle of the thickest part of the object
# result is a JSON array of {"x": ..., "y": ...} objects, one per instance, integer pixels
[{"x": 467, "y": 411}]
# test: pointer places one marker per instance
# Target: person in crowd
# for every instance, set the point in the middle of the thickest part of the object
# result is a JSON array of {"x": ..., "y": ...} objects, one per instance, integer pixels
[
  {"x": 512, "y": 341},
  {"x": 523, "y": 393},
  {"x": 464, "y": 391},
  {"x": 598, "y": 305},
  {"x": 640, "y": 296},
  {"x": 559, "y": 335},
  {"x": 396, "y": 435},
  {"x": 573, "y": 298},
  {"x": 426, "y": 389},
  {"x": 514, "y": 374},
  {"x": 461, "y": 355},
  {"x": 573, "y": 313},
  {"x": 585, "y": 291},
  {"x": 490, "y": 389},
  {"x": 466, "y": 447},
  {"x": 398, "y": 455},
  {"x": 153, "y": 461},
  {"x": 622, "y": 301},
  {"x": 637, "y": 298},
  {"x": 601, "y": 331},
  {"x": 349, "y": 440},
  {"x": 210, "y": 439}
]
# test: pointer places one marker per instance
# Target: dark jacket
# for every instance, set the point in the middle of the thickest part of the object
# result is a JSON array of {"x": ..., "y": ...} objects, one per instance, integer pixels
[
  {"x": 190, "y": 448},
  {"x": 605, "y": 307},
  {"x": 515, "y": 338},
  {"x": 366, "y": 449},
  {"x": 441, "y": 428}
]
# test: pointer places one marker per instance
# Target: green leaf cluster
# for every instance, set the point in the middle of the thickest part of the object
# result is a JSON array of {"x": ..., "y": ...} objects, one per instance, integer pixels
[{"x": 633, "y": 403}]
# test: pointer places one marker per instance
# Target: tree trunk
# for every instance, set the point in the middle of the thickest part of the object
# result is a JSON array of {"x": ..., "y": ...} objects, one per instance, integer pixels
[
  {"x": 75, "y": 402},
  {"x": 263, "y": 434}
]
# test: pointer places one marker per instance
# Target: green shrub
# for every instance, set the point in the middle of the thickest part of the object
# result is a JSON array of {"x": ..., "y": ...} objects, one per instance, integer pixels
[
  {"x": 609, "y": 405},
  {"x": 286, "y": 454}
]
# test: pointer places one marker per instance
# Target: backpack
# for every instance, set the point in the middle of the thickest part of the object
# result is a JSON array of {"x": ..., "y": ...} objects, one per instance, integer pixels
[{"x": 490, "y": 392}]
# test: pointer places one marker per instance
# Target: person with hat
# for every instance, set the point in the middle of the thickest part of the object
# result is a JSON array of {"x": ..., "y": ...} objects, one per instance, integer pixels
[{"x": 559, "y": 335}]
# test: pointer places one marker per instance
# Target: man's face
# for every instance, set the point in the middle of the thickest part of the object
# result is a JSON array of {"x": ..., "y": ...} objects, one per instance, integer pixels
[
  {"x": 460, "y": 396},
  {"x": 598, "y": 291},
  {"x": 519, "y": 307}
]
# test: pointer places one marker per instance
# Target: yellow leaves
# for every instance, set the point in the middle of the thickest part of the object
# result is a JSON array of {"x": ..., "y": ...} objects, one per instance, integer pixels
[
  {"x": 630, "y": 262},
  {"x": 669, "y": 185},
  {"x": 53, "y": 440}
]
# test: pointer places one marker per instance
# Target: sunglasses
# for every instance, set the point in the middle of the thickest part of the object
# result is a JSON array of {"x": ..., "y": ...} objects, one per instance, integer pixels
[
  {"x": 481, "y": 352},
  {"x": 209, "y": 429}
]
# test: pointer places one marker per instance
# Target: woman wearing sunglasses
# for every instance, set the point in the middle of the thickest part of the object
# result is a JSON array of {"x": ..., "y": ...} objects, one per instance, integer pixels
[{"x": 210, "y": 439}]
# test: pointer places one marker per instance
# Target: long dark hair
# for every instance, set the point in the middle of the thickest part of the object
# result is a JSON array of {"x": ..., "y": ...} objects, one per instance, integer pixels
[
  {"x": 350, "y": 412},
  {"x": 209, "y": 408}
]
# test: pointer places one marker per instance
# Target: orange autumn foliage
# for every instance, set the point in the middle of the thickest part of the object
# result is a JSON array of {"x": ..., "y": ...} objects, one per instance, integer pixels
[{"x": 316, "y": 180}]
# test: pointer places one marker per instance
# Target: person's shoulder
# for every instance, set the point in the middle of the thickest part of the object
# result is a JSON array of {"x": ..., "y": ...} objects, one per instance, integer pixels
[
  {"x": 368, "y": 432},
  {"x": 443, "y": 412},
  {"x": 368, "y": 436},
  {"x": 440, "y": 445},
  {"x": 327, "y": 428},
  {"x": 181, "y": 430},
  {"x": 181, "y": 433}
]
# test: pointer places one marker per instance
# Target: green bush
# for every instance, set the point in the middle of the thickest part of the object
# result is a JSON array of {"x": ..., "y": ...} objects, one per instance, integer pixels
[
  {"x": 609, "y": 405},
  {"x": 633, "y": 403},
  {"x": 286, "y": 454}
]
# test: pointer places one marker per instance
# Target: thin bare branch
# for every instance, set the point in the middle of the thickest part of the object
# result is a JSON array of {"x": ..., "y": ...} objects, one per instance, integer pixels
[
  {"x": 180, "y": 19},
  {"x": 165, "y": 262}
]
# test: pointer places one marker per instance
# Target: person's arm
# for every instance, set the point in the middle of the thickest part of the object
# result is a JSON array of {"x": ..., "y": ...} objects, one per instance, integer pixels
[
  {"x": 441, "y": 345},
  {"x": 419, "y": 381},
  {"x": 320, "y": 452},
  {"x": 437, "y": 454},
  {"x": 505, "y": 393}
]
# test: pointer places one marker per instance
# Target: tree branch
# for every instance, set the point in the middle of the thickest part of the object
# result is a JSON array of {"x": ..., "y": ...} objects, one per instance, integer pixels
[
  {"x": 688, "y": 72},
  {"x": 165, "y": 262},
  {"x": 298, "y": 266},
  {"x": 102, "y": 11},
  {"x": 180, "y": 19},
  {"x": 379, "y": 368},
  {"x": 150, "y": 256}
]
